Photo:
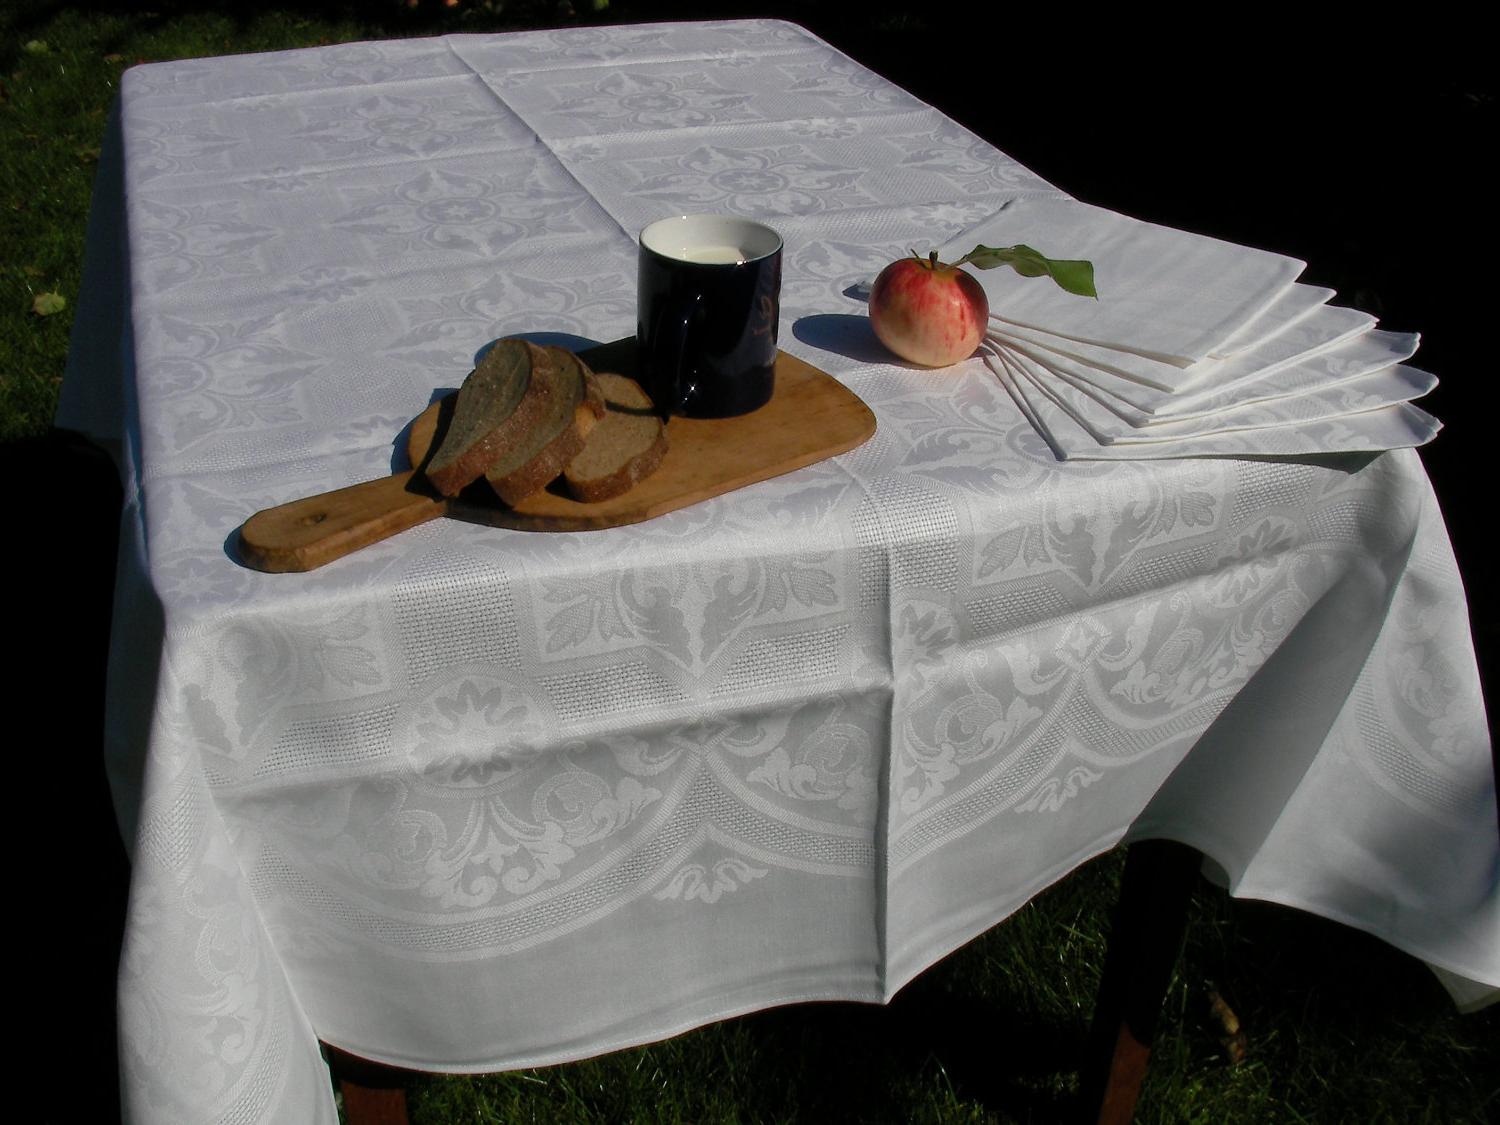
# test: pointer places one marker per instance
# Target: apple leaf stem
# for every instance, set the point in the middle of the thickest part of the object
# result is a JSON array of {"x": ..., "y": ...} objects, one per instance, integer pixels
[{"x": 1073, "y": 275}]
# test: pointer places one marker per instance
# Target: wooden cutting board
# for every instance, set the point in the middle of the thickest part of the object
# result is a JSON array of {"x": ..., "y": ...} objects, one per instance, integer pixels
[{"x": 811, "y": 417}]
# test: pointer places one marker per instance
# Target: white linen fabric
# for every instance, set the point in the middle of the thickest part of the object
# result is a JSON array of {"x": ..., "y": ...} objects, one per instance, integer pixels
[
  {"x": 1294, "y": 304},
  {"x": 1278, "y": 371},
  {"x": 1362, "y": 391},
  {"x": 1305, "y": 373},
  {"x": 1216, "y": 339},
  {"x": 1161, "y": 389},
  {"x": 1383, "y": 387},
  {"x": 1166, "y": 294},
  {"x": 474, "y": 799},
  {"x": 1056, "y": 410}
]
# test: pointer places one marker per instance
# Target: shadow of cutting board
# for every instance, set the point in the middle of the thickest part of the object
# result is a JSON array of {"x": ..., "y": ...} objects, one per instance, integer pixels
[{"x": 811, "y": 417}]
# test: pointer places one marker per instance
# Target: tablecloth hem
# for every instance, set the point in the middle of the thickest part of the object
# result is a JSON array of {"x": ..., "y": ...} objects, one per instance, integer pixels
[{"x": 656, "y": 1034}]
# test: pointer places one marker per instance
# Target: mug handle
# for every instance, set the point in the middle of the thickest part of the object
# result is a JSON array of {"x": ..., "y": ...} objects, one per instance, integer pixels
[{"x": 670, "y": 340}]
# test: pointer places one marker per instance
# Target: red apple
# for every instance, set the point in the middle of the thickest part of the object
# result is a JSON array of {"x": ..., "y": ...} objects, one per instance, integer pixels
[{"x": 928, "y": 312}]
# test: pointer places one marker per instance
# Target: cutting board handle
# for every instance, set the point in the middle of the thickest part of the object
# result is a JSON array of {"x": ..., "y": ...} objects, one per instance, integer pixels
[{"x": 305, "y": 534}]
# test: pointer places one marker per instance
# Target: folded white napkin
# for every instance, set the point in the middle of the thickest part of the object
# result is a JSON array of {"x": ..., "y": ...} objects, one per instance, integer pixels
[
  {"x": 1386, "y": 387},
  {"x": 1389, "y": 427},
  {"x": 1166, "y": 294},
  {"x": 1383, "y": 387},
  {"x": 1291, "y": 327},
  {"x": 1297, "y": 302},
  {"x": 1287, "y": 370}
]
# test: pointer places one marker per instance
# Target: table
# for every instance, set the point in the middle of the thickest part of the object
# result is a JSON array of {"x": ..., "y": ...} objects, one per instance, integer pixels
[{"x": 474, "y": 799}]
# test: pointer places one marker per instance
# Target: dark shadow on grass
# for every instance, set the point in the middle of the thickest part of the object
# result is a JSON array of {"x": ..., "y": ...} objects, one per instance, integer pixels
[
  {"x": 1350, "y": 1027},
  {"x": 851, "y": 1062},
  {"x": 59, "y": 574},
  {"x": 1010, "y": 1062}
]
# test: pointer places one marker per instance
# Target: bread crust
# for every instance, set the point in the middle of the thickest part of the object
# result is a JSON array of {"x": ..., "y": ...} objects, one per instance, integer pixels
[
  {"x": 623, "y": 479},
  {"x": 636, "y": 466},
  {"x": 552, "y": 458},
  {"x": 465, "y": 465}
]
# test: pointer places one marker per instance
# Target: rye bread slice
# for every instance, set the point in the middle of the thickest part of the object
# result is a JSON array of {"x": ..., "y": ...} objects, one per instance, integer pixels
[
  {"x": 500, "y": 402},
  {"x": 540, "y": 454},
  {"x": 624, "y": 448}
]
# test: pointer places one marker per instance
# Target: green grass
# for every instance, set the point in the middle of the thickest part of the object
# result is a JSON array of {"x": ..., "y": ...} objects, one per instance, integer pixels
[{"x": 1337, "y": 1026}]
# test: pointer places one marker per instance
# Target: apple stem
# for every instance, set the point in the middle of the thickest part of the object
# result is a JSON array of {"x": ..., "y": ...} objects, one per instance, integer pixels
[{"x": 930, "y": 262}]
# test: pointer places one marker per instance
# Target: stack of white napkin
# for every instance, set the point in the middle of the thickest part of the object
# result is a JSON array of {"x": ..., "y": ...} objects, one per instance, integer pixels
[{"x": 1195, "y": 347}]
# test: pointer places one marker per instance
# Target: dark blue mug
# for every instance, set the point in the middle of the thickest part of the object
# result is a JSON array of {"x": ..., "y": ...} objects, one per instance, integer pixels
[{"x": 708, "y": 309}]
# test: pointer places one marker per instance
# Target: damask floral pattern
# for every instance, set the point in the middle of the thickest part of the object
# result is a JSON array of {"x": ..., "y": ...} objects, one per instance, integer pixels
[
  {"x": 233, "y": 375},
  {"x": 784, "y": 180},
  {"x": 456, "y": 735},
  {"x": 647, "y": 607},
  {"x": 196, "y": 81},
  {"x": 698, "y": 881},
  {"x": 974, "y": 166},
  {"x": 628, "y": 99},
  {"x": 197, "y": 243},
  {"x": 843, "y": 87},
  {"x": 278, "y": 142},
  {"x": 452, "y": 213},
  {"x": 444, "y": 328},
  {"x": 164, "y": 146},
  {"x": 588, "y": 47},
  {"x": 480, "y": 796},
  {"x": 389, "y": 126}
]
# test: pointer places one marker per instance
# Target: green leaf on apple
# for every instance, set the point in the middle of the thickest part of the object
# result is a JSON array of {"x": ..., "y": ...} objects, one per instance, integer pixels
[{"x": 1074, "y": 275}]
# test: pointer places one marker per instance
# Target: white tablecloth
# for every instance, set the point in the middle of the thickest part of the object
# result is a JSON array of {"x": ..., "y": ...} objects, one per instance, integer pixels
[{"x": 474, "y": 799}]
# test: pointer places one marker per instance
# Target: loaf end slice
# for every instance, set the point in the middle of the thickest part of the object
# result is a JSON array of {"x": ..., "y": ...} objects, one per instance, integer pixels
[
  {"x": 542, "y": 453},
  {"x": 502, "y": 400},
  {"x": 625, "y": 447}
]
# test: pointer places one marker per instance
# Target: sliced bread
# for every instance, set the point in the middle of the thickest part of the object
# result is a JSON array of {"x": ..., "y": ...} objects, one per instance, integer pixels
[
  {"x": 501, "y": 401},
  {"x": 624, "y": 448},
  {"x": 540, "y": 454}
]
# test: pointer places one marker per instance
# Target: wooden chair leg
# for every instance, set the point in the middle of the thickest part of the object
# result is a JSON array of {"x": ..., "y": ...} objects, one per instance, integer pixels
[
  {"x": 1145, "y": 942},
  {"x": 374, "y": 1094}
]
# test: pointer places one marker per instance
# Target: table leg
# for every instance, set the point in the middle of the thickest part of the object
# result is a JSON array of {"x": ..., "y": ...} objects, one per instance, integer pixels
[
  {"x": 374, "y": 1094},
  {"x": 1144, "y": 944}
]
